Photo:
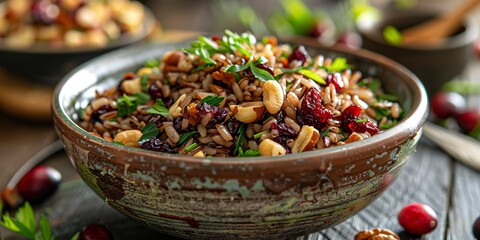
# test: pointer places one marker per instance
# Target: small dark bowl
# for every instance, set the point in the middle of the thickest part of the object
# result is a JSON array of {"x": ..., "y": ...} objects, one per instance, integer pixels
[
  {"x": 44, "y": 64},
  {"x": 433, "y": 64}
]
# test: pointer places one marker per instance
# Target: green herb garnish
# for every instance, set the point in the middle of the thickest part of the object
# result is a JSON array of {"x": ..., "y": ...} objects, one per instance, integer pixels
[
  {"x": 312, "y": 75},
  {"x": 256, "y": 71},
  {"x": 392, "y": 35},
  {"x": 248, "y": 153},
  {"x": 191, "y": 147},
  {"x": 141, "y": 98},
  {"x": 388, "y": 97},
  {"x": 126, "y": 105},
  {"x": 150, "y": 131},
  {"x": 24, "y": 224},
  {"x": 339, "y": 64},
  {"x": 144, "y": 82},
  {"x": 258, "y": 135},
  {"x": 361, "y": 120},
  {"x": 324, "y": 132},
  {"x": 212, "y": 100},
  {"x": 151, "y": 63},
  {"x": 240, "y": 139},
  {"x": 184, "y": 137},
  {"x": 159, "y": 109}
]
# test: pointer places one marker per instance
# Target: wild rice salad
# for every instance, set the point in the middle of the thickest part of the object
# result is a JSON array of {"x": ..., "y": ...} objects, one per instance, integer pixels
[{"x": 233, "y": 96}]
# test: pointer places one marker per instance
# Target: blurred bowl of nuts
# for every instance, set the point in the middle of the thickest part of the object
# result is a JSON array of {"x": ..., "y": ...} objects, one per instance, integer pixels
[
  {"x": 42, "y": 40},
  {"x": 229, "y": 137}
]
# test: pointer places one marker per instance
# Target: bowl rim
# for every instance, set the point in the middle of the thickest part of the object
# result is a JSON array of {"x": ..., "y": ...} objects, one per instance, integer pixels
[
  {"x": 409, "y": 127},
  {"x": 371, "y": 31},
  {"x": 147, "y": 28}
]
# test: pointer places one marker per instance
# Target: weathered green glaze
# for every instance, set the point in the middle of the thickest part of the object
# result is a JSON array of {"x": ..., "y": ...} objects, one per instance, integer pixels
[{"x": 237, "y": 198}]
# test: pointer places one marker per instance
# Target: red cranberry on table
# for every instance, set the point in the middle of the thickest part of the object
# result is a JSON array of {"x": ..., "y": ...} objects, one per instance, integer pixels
[
  {"x": 39, "y": 183},
  {"x": 350, "y": 40},
  {"x": 476, "y": 228},
  {"x": 447, "y": 104},
  {"x": 468, "y": 120},
  {"x": 417, "y": 219},
  {"x": 95, "y": 231}
]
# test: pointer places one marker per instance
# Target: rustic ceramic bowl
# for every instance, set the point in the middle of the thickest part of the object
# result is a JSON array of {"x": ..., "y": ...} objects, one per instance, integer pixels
[
  {"x": 433, "y": 64},
  {"x": 47, "y": 65},
  {"x": 233, "y": 198}
]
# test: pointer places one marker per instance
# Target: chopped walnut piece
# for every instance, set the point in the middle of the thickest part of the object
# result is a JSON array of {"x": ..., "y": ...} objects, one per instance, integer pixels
[{"x": 376, "y": 234}]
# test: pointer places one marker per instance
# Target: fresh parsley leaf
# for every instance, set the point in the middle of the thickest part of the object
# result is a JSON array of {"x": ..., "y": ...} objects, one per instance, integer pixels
[
  {"x": 45, "y": 228},
  {"x": 126, "y": 105},
  {"x": 151, "y": 63},
  {"x": 23, "y": 223},
  {"x": 184, "y": 137},
  {"x": 141, "y": 98},
  {"x": 159, "y": 109},
  {"x": 212, "y": 100},
  {"x": 76, "y": 236},
  {"x": 237, "y": 68},
  {"x": 240, "y": 139},
  {"x": 392, "y": 35},
  {"x": 339, "y": 64},
  {"x": 144, "y": 82},
  {"x": 191, "y": 147},
  {"x": 312, "y": 75},
  {"x": 260, "y": 73},
  {"x": 150, "y": 131}
]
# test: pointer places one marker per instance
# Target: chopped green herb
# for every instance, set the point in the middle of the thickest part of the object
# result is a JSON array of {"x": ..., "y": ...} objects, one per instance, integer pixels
[
  {"x": 248, "y": 153},
  {"x": 76, "y": 236},
  {"x": 240, "y": 139},
  {"x": 258, "y": 135},
  {"x": 324, "y": 132},
  {"x": 387, "y": 125},
  {"x": 24, "y": 224},
  {"x": 392, "y": 35},
  {"x": 361, "y": 120},
  {"x": 191, "y": 147},
  {"x": 150, "y": 131},
  {"x": 212, "y": 100},
  {"x": 141, "y": 98},
  {"x": 159, "y": 109},
  {"x": 144, "y": 82},
  {"x": 381, "y": 112},
  {"x": 312, "y": 75},
  {"x": 339, "y": 64},
  {"x": 388, "y": 97},
  {"x": 184, "y": 137},
  {"x": 261, "y": 73},
  {"x": 126, "y": 105},
  {"x": 151, "y": 63},
  {"x": 237, "y": 68}
]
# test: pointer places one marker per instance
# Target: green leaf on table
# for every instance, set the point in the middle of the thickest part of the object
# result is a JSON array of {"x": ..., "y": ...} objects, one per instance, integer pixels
[
  {"x": 159, "y": 109},
  {"x": 45, "y": 228},
  {"x": 75, "y": 236},
  {"x": 184, "y": 137},
  {"x": 23, "y": 223},
  {"x": 312, "y": 75},
  {"x": 212, "y": 100},
  {"x": 150, "y": 131},
  {"x": 339, "y": 64},
  {"x": 392, "y": 35}
]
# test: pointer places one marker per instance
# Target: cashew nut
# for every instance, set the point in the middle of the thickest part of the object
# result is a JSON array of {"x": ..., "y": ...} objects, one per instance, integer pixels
[
  {"x": 131, "y": 87},
  {"x": 129, "y": 138},
  {"x": 307, "y": 138},
  {"x": 273, "y": 96},
  {"x": 270, "y": 148},
  {"x": 248, "y": 112}
]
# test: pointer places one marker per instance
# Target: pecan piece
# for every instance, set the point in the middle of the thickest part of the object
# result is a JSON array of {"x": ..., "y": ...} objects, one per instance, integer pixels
[{"x": 376, "y": 234}]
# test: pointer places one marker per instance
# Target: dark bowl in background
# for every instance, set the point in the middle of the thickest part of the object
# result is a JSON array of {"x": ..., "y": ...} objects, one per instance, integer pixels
[
  {"x": 433, "y": 64},
  {"x": 44, "y": 64}
]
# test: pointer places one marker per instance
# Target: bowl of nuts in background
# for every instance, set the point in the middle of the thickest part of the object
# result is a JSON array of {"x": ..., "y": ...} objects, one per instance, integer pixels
[
  {"x": 179, "y": 144},
  {"x": 42, "y": 40}
]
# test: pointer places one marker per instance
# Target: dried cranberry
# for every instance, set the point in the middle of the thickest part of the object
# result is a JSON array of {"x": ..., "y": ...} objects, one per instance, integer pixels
[
  {"x": 285, "y": 130},
  {"x": 476, "y": 228},
  {"x": 154, "y": 91},
  {"x": 350, "y": 121},
  {"x": 312, "y": 112},
  {"x": 39, "y": 183},
  {"x": 44, "y": 11},
  {"x": 300, "y": 54},
  {"x": 265, "y": 67},
  {"x": 336, "y": 80},
  {"x": 95, "y": 231},
  {"x": 168, "y": 102},
  {"x": 232, "y": 125},
  {"x": 361, "y": 127},
  {"x": 417, "y": 218},
  {"x": 279, "y": 116},
  {"x": 95, "y": 117},
  {"x": 218, "y": 114},
  {"x": 157, "y": 145}
]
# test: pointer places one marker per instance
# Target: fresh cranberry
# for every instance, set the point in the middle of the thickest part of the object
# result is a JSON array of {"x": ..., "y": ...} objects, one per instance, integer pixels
[
  {"x": 417, "y": 218},
  {"x": 95, "y": 231},
  {"x": 476, "y": 228},
  {"x": 155, "y": 91},
  {"x": 312, "y": 112},
  {"x": 336, "y": 80},
  {"x": 39, "y": 183},
  {"x": 350, "y": 40},
  {"x": 44, "y": 11},
  {"x": 447, "y": 104},
  {"x": 468, "y": 120},
  {"x": 300, "y": 54},
  {"x": 157, "y": 145},
  {"x": 95, "y": 117}
]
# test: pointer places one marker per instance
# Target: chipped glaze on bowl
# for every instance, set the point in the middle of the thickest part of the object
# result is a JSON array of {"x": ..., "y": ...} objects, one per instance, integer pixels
[{"x": 235, "y": 198}]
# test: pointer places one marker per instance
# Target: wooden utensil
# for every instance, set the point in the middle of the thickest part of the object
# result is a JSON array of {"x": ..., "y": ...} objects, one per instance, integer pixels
[{"x": 436, "y": 30}]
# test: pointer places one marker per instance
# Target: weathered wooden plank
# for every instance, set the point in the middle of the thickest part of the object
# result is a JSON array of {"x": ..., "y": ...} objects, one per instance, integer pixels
[
  {"x": 465, "y": 207},
  {"x": 426, "y": 178}
]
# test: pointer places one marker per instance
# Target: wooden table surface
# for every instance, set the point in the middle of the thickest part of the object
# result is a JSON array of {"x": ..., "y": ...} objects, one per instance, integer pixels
[{"x": 430, "y": 177}]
